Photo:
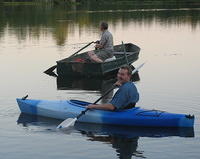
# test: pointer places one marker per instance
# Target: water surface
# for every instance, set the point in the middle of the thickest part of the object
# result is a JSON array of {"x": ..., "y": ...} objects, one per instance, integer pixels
[{"x": 32, "y": 38}]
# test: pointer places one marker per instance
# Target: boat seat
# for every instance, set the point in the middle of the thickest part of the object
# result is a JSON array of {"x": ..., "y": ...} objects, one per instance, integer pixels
[
  {"x": 122, "y": 53},
  {"x": 110, "y": 59}
]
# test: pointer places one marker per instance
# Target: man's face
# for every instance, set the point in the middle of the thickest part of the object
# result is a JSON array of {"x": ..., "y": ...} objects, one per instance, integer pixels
[
  {"x": 123, "y": 76},
  {"x": 101, "y": 28}
]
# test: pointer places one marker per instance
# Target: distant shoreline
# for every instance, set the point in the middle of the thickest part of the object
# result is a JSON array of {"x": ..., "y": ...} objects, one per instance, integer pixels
[{"x": 103, "y": 2}]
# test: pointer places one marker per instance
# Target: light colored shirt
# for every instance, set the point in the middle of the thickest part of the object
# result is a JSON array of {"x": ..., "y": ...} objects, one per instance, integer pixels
[
  {"x": 107, "y": 40},
  {"x": 125, "y": 95}
]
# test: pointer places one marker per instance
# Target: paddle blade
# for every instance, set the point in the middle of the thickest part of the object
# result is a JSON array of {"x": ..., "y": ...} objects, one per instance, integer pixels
[
  {"x": 51, "y": 69},
  {"x": 137, "y": 68},
  {"x": 67, "y": 123}
]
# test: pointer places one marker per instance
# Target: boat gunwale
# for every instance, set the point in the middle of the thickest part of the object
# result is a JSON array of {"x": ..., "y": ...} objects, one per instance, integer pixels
[{"x": 105, "y": 62}]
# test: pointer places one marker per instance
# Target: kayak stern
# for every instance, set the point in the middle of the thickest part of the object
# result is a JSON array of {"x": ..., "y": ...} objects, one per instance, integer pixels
[{"x": 187, "y": 121}]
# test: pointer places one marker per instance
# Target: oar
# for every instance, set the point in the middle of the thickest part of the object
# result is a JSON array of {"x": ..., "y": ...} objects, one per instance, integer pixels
[
  {"x": 81, "y": 49},
  {"x": 54, "y": 67},
  {"x": 71, "y": 121}
]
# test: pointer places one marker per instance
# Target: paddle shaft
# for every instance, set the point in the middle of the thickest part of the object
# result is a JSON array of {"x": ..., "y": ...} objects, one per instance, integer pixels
[
  {"x": 108, "y": 91},
  {"x": 51, "y": 69},
  {"x": 84, "y": 111},
  {"x": 66, "y": 123}
]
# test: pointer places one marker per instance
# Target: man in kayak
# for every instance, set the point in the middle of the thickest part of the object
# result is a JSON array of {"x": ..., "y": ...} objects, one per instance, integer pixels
[
  {"x": 126, "y": 96},
  {"x": 104, "y": 47}
]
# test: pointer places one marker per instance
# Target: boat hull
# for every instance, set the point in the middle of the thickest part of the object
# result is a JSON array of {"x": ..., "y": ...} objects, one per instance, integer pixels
[
  {"x": 131, "y": 117},
  {"x": 66, "y": 67}
]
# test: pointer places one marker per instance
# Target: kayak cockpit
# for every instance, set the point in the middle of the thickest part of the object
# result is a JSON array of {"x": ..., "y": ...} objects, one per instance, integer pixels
[{"x": 78, "y": 103}]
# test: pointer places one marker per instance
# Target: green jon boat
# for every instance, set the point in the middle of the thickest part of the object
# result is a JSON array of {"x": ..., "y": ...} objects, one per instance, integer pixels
[{"x": 72, "y": 67}]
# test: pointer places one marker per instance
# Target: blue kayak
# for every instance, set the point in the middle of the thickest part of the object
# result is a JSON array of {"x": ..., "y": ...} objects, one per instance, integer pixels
[
  {"x": 45, "y": 123},
  {"x": 63, "y": 109}
]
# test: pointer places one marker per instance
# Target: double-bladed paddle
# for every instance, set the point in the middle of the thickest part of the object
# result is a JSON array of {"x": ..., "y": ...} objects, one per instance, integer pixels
[
  {"x": 71, "y": 121},
  {"x": 55, "y": 66}
]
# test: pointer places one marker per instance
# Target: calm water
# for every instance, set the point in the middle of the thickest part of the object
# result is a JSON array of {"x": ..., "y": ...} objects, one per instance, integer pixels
[{"x": 33, "y": 38}]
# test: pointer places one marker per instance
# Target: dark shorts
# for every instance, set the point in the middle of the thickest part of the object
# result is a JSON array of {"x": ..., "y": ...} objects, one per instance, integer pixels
[
  {"x": 130, "y": 106},
  {"x": 104, "y": 54}
]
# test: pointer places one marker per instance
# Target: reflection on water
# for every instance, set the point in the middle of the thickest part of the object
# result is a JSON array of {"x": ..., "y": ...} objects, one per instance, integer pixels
[
  {"x": 64, "y": 83},
  {"x": 124, "y": 140},
  {"x": 67, "y": 83},
  {"x": 125, "y": 147},
  {"x": 62, "y": 23},
  {"x": 91, "y": 84}
]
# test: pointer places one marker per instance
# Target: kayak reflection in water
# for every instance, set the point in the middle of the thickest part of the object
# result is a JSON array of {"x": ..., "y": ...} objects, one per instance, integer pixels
[
  {"x": 126, "y": 96},
  {"x": 125, "y": 147}
]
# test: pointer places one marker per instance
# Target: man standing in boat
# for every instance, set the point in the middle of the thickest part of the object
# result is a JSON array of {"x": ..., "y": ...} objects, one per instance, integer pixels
[
  {"x": 104, "y": 47},
  {"x": 126, "y": 96}
]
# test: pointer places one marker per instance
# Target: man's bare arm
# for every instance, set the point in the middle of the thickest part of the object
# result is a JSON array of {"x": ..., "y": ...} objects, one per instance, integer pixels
[
  {"x": 101, "y": 106},
  {"x": 99, "y": 46}
]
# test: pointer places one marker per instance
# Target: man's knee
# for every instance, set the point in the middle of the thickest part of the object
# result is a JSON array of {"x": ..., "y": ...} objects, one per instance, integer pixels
[{"x": 91, "y": 53}]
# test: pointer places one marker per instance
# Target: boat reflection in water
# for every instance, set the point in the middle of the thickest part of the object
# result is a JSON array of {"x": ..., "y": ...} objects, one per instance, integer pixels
[
  {"x": 66, "y": 83},
  {"x": 90, "y": 84},
  {"x": 123, "y": 139}
]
